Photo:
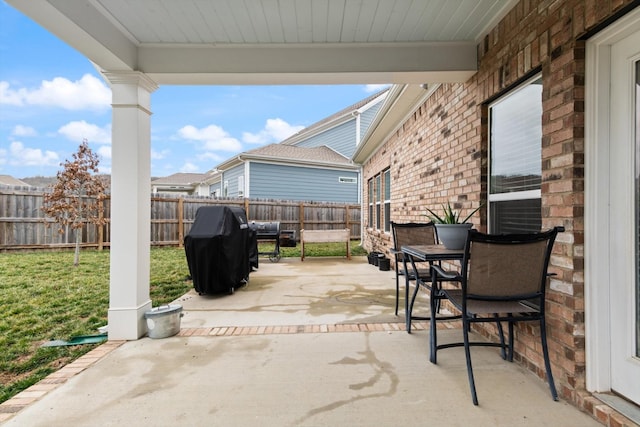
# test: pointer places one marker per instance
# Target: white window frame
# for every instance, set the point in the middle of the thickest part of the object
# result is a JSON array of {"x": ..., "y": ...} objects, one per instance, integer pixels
[
  {"x": 387, "y": 202},
  {"x": 371, "y": 197},
  {"x": 378, "y": 193},
  {"x": 510, "y": 196},
  {"x": 241, "y": 186}
]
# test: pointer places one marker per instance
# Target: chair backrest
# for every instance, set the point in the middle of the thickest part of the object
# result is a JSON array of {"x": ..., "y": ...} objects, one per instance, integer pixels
[
  {"x": 413, "y": 233},
  {"x": 507, "y": 266}
]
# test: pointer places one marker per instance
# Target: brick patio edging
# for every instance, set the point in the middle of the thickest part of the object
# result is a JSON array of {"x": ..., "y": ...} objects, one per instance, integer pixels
[{"x": 54, "y": 380}]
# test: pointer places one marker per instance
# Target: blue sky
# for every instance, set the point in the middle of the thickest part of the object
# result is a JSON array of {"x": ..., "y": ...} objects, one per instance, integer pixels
[{"x": 51, "y": 98}]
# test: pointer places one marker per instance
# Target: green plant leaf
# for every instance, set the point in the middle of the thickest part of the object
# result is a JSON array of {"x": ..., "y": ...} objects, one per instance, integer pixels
[{"x": 449, "y": 215}]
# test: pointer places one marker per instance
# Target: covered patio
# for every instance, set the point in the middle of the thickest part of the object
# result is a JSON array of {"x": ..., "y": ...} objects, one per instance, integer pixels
[
  {"x": 137, "y": 46},
  {"x": 302, "y": 345},
  {"x": 450, "y": 63}
]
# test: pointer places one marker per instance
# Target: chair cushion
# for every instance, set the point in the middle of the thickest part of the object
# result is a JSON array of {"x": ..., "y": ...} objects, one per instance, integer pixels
[{"x": 488, "y": 307}]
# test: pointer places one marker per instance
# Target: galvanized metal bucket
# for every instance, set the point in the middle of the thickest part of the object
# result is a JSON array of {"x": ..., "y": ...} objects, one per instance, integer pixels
[{"x": 163, "y": 321}]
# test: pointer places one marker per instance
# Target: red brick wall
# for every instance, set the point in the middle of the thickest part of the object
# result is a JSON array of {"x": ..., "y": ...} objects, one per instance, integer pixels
[{"x": 440, "y": 154}]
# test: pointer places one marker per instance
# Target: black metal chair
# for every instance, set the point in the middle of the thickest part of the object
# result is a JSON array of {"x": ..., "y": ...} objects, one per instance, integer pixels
[
  {"x": 503, "y": 278},
  {"x": 407, "y": 234}
]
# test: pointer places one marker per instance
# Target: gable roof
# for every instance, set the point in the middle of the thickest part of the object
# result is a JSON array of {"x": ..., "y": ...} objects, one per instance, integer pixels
[
  {"x": 310, "y": 156},
  {"x": 9, "y": 180},
  {"x": 287, "y": 151},
  {"x": 333, "y": 120},
  {"x": 181, "y": 179},
  {"x": 399, "y": 104}
]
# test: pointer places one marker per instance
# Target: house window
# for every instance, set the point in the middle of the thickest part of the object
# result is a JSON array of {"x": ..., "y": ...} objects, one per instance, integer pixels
[
  {"x": 515, "y": 164},
  {"x": 387, "y": 200},
  {"x": 225, "y": 190},
  {"x": 370, "y": 189},
  {"x": 378, "y": 202},
  {"x": 240, "y": 186}
]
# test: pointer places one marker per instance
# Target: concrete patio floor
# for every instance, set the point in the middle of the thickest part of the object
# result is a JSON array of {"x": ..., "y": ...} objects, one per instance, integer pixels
[{"x": 313, "y": 343}]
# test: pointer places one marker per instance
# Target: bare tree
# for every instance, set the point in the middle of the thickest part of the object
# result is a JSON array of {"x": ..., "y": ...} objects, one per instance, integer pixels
[{"x": 75, "y": 199}]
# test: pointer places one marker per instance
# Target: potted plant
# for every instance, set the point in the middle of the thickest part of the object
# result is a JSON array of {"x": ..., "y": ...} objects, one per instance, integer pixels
[{"x": 452, "y": 232}]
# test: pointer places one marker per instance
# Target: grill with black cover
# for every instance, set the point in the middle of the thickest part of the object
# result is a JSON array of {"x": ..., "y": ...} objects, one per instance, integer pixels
[{"x": 221, "y": 249}]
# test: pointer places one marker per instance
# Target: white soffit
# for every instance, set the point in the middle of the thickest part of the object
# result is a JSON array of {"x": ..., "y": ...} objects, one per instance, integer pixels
[{"x": 275, "y": 41}]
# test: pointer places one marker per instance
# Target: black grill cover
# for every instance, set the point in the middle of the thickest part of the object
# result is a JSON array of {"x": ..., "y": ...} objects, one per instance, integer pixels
[{"x": 219, "y": 248}]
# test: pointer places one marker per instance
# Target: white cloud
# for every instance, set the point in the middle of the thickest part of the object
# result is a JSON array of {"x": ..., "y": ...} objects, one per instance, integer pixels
[
  {"x": 159, "y": 155},
  {"x": 20, "y": 155},
  {"x": 8, "y": 96},
  {"x": 275, "y": 130},
  {"x": 4, "y": 154},
  {"x": 213, "y": 137},
  {"x": 88, "y": 93},
  {"x": 104, "y": 169},
  {"x": 211, "y": 157},
  {"x": 79, "y": 130},
  {"x": 21, "y": 130},
  {"x": 375, "y": 88},
  {"x": 104, "y": 151},
  {"x": 189, "y": 167}
]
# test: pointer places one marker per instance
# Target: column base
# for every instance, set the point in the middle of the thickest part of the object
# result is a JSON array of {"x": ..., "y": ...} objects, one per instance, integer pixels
[{"x": 128, "y": 323}]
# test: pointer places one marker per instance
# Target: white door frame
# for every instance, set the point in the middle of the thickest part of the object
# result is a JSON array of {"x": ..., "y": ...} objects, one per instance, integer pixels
[{"x": 597, "y": 157}]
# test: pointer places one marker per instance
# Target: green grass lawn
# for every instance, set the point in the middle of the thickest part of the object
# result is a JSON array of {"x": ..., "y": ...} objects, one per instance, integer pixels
[{"x": 44, "y": 297}]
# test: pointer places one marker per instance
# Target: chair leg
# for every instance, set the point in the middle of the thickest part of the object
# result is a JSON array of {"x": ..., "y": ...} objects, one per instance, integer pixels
[
  {"x": 511, "y": 341},
  {"x": 547, "y": 363},
  {"x": 467, "y": 352},
  {"x": 397, "y": 288},
  {"x": 437, "y": 286},
  {"x": 503, "y": 353},
  {"x": 410, "y": 311},
  {"x": 433, "y": 329}
]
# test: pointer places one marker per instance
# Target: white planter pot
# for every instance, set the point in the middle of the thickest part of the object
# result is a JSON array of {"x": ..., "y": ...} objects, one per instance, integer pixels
[{"x": 453, "y": 236}]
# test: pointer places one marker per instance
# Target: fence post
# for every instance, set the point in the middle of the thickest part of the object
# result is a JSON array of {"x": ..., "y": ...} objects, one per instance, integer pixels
[
  {"x": 101, "y": 225},
  {"x": 180, "y": 222},
  {"x": 246, "y": 207},
  {"x": 346, "y": 219},
  {"x": 301, "y": 215}
]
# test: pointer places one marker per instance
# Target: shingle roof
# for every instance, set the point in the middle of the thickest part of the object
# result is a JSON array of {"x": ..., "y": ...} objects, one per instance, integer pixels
[
  {"x": 181, "y": 179},
  {"x": 282, "y": 152},
  {"x": 9, "y": 180}
]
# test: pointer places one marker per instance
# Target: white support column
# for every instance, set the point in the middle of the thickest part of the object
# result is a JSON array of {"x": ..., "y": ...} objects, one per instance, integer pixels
[{"x": 130, "y": 204}]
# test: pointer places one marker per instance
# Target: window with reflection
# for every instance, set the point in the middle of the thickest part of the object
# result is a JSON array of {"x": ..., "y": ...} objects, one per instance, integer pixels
[
  {"x": 378, "y": 199},
  {"x": 370, "y": 192},
  {"x": 387, "y": 200},
  {"x": 515, "y": 160}
]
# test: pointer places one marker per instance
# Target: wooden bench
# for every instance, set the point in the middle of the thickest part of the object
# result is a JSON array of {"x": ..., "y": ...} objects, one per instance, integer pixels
[{"x": 324, "y": 236}]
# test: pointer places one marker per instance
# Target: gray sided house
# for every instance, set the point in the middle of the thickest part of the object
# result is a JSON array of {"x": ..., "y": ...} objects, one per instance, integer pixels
[
  {"x": 312, "y": 165},
  {"x": 196, "y": 184},
  {"x": 343, "y": 130},
  {"x": 278, "y": 171}
]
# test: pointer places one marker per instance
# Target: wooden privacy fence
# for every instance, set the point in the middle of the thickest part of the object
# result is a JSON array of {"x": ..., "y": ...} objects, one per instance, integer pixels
[{"x": 23, "y": 225}]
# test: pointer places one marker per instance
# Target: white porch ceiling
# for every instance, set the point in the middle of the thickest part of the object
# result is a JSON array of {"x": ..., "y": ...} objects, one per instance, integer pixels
[{"x": 275, "y": 41}]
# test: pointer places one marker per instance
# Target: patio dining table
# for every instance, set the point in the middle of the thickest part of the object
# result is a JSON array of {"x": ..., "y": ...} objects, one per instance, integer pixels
[{"x": 430, "y": 254}]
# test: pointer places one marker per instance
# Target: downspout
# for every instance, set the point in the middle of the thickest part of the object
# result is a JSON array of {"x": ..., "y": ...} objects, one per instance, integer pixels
[
  {"x": 246, "y": 180},
  {"x": 356, "y": 114},
  {"x": 361, "y": 200}
]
